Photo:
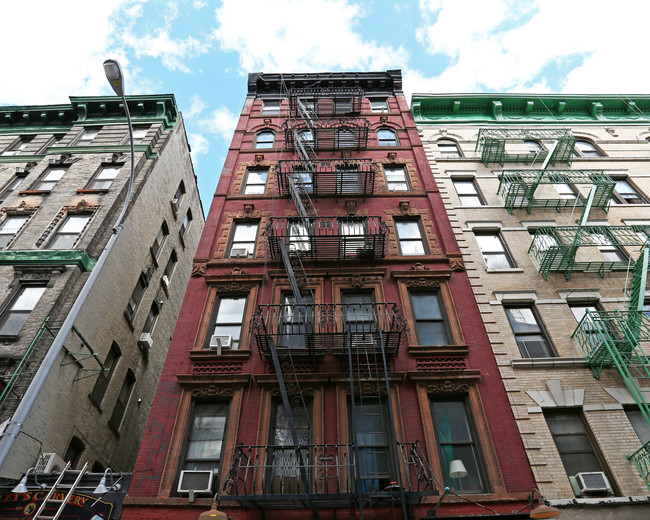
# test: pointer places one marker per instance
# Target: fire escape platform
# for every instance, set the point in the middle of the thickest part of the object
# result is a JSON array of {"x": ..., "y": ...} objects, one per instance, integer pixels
[
  {"x": 350, "y": 133},
  {"x": 517, "y": 188},
  {"x": 328, "y": 177},
  {"x": 330, "y": 238},
  {"x": 493, "y": 144},
  {"x": 326, "y": 101}
]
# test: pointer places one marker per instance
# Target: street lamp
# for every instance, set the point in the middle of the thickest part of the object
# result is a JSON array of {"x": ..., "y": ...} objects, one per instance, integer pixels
[{"x": 14, "y": 426}]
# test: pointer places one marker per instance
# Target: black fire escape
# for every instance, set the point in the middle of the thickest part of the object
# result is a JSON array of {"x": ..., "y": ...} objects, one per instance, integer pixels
[{"x": 363, "y": 335}]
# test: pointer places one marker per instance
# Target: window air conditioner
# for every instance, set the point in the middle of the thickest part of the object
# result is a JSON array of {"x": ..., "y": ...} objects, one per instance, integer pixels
[
  {"x": 239, "y": 252},
  {"x": 199, "y": 481},
  {"x": 146, "y": 341},
  {"x": 220, "y": 342},
  {"x": 165, "y": 281},
  {"x": 593, "y": 482},
  {"x": 174, "y": 205},
  {"x": 49, "y": 463}
]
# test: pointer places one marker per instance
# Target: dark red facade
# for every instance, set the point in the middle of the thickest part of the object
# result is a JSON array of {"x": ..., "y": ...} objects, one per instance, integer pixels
[{"x": 388, "y": 363}]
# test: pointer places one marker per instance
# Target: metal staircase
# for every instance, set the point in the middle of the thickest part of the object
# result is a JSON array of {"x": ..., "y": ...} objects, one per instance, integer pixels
[{"x": 502, "y": 145}]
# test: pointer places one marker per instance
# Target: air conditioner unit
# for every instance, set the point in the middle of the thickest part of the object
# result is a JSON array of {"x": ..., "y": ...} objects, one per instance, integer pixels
[
  {"x": 594, "y": 482},
  {"x": 175, "y": 205},
  {"x": 199, "y": 481},
  {"x": 49, "y": 463},
  {"x": 220, "y": 342},
  {"x": 146, "y": 341},
  {"x": 165, "y": 281},
  {"x": 239, "y": 252}
]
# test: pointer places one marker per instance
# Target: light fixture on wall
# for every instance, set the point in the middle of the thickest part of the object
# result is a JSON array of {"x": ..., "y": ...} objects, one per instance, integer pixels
[
  {"x": 214, "y": 513},
  {"x": 21, "y": 487},
  {"x": 542, "y": 510},
  {"x": 101, "y": 487}
]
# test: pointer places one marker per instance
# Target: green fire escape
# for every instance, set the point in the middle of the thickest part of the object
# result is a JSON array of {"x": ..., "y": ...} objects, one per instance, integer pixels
[
  {"x": 517, "y": 188},
  {"x": 615, "y": 339},
  {"x": 502, "y": 145}
]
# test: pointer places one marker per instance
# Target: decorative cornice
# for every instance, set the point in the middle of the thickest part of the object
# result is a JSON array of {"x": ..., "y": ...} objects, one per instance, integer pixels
[
  {"x": 49, "y": 258},
  {"x": 522, "y": 108}
]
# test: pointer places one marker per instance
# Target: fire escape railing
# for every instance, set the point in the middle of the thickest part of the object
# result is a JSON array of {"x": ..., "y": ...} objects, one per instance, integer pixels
[
  {"x": 517, "y": 188},
  {"x": 339, "y": 177},
  {"x": 498, "y": 145},
  {"x": 326, "y": 102},
  {"x": 328, "y": 238},
  {"x": 268, "y": 473},
  {"x": 320, "y": 329},
  {"x": 350, "y": 133}
]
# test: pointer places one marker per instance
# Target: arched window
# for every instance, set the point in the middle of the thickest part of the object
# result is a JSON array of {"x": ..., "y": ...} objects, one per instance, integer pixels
[
  {"x": 584, "y": 148},
  {"x": 386, "y": 137},
  {"x": 265, "y": 139},
  {"x": 307, "y": 137},
  {"x": 533, "y": 146},
  {"x": 345, "y": 138},
  {"x": 449, "y": 148}
]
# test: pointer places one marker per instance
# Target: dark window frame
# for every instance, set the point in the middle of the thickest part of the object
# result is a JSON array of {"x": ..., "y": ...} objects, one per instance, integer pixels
[
  {"x": 541, "y": 331},
  {"x": 385, "y": 141},
  {"x": 422, "y": 238},
  {"x": 122, "y": 401},
  {"x": 236, "y": 343},
  {"x": 266, "y": 143},
  {"x": 594, "y": 153},
  {"x": 477, "y": 191},
  {"x": 496, "y": 233},
  {"x": 247, "y": 184},
  {"x": 443, "y": 318},
  {"x": 12, "y": 299},
  {"x": 103, "y": 380},
  {"x": 234, "y": 245},
  {"x": 446, "y": 151}
]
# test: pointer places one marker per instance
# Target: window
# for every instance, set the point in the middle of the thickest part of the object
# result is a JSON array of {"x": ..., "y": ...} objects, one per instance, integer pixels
[
  {"x": 306, "y": 137},
  {"x": 283, "y": 463},
  {"x": 256, "y": 181},
  {"x": 74, "y": 451},
  {"x": 152, "y": 318},
  {"x": 86, "y": 136},
  {"x": 104, "y": 378},
  {"x": 494, "y": 250},
  {"x": 542, "y": 242},
  {"x": 343, "y": 105},
  {"x": 294, "y": 321},
  {"x": 19, "y": 146},
  {"x": 10, "y": 228},
  {"x": 529, "y": 334},
  {"x": 270, "y": 106},
  {"x": 455, "y": 434},
  {"x": 348, "y": 179},
  {"x": 360, "y": 318},
  {"x": 533, "y": 146},
  {"x": 625, "y": 193},
  {"x": 352, "y": 231},
  {"x": 373, "y": 444},
  {"x": 449, "y": 149},
  {"x": 611, "y": 252},
  {"x": 430, "y": 326},
  {"x": 69, "y": 231},
  {"x": 379, "y": 105},
  {"x": 169, "y": 269},
  {"x": 409, "y": 236},
  {"x": 639, "y": 423},
  {"x": 49, "y": 179},
  {"x": 345, "y": 138},
  {"x": 136, "y": 295},
  {"x": 229, "y": 318},
  {"x": 11, "y": 187},
  {"x": 585, "y": 148},
  {"x": 303, "y": 179},
  {"x": 21, "y": 306},
  {"x": 299, "y": 239},
  {"x": 187, "y": 220},
  {"x": 572, "y": 441},
  {"x": 566, "y": 191},
  {"x": 264, "y": 139},
  {"x": 468, "y": 193},
  {"x": 104, "y": 177},
  {"x": 139, "y": 133},
  {"x": 579, "y": 310},
  {"x": 243, "y": 240},
  {"x": 122, "y": 401},
  {"x": 396, "y": 179},
  {"x": 206, "y": 434},
  {"x": 159, "y": 240},
  {"x": 386, "y": 137}
]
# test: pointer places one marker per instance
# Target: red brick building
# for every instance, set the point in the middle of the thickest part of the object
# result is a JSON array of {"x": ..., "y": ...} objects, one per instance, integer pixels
[{"x": 329, "y": 357}]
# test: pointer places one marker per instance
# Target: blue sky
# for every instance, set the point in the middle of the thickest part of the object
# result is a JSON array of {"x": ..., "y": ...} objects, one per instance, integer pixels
[{"x": 202, "y": 50}]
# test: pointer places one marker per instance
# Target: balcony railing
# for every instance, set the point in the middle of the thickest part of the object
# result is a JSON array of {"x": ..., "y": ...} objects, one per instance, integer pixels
[
  {"x": 329, "y": 328},
  {"x": 328, "y": 238},
  {"x": 329, "y": 177},
  {"x": 350, "y": 133},
  {"x": 321, "y": 102},
  {"x": 269, "y": 476},
  {"x": 501, "y": 145}
]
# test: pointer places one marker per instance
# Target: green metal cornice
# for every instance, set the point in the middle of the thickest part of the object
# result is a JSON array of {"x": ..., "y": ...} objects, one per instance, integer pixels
[
  {"x": 95, "y": 110},
  {"x": 121, "y": 148},
  {"x": 52, "y": 258},
  {"x": 527, "y": 109}
]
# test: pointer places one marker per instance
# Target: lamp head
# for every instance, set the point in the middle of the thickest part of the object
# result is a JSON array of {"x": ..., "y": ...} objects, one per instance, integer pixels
[
  {"x": 213, "y": 514},
  {"x": 114, "y": 76},
  {"x": 544, "y": 511},
  {"x": 21, "y": 487},
  {"x": 457, "y": 469}
]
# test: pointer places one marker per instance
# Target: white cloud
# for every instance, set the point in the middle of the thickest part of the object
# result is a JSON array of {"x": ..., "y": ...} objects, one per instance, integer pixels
[
  {"x": 197, "y": 106},
  {"x": 199, "y": 144},
  {"x": 298, "y": 36},
  {"x": 60, "y": 51},
  {"x": 221, "y": 122},
  {"x": 505, "y": 45},
  {"x": 198, "y": 4}
]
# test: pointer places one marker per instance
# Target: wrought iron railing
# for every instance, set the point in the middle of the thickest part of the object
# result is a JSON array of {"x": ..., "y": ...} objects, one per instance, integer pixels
[
  {"x": 328, "y": 238},
  {"x": 350, "y": 133},
  {"x": 329, "y": 328},
  {"x": 342, "y": 177},
  {"x": 326, "y": 101},
  {"x": 492, "y": 144},
  {"x": 264, "y": 471}
]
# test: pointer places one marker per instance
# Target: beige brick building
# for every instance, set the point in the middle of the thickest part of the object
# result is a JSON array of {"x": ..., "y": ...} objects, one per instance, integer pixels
[
  {"x": 486, "y": 153},
  {"x": 64, "y": 174}
]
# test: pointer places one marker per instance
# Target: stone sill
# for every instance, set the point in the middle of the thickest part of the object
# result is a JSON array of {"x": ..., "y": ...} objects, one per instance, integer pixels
[{"x": 549, "y": 362}]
